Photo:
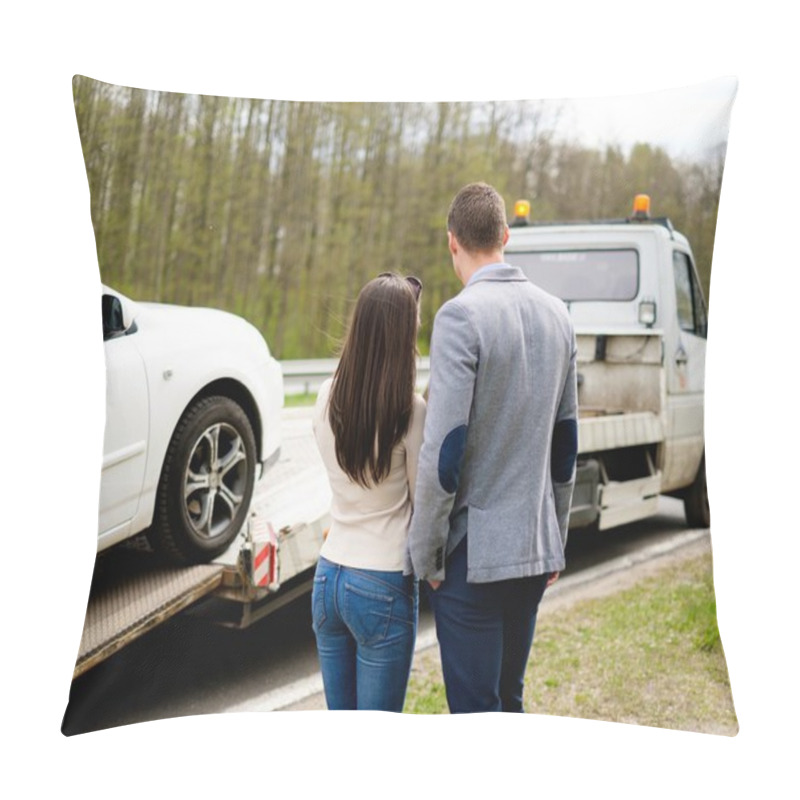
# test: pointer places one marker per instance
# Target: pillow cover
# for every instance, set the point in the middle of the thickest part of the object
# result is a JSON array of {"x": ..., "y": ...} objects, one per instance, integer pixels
[{"x": 278, "y": 212}]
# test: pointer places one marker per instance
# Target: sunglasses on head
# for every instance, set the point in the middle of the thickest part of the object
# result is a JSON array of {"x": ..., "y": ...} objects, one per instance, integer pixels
[{"x": 415, "y": 283}]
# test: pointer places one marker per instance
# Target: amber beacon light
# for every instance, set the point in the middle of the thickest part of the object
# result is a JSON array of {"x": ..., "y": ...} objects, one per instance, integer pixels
[
  {"x": 641, "y": 206},
  {"x": 522, "y": 209}
]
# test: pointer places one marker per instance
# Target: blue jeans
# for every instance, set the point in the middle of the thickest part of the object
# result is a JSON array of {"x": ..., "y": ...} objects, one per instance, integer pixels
[
  {"x": 485, "y": 633},
  {"x": 365, "y": 622}
]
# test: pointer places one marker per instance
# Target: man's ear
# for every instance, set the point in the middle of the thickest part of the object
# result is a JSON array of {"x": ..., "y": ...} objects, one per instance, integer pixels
[
  {"x": 506, "y": 234},
  {"x": 452, "y": 243}
]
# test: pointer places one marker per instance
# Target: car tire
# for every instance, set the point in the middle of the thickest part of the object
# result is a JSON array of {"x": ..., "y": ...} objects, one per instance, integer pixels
[
  {"x": 695, "y": 500},
  {"x": 206, "y": 482}
]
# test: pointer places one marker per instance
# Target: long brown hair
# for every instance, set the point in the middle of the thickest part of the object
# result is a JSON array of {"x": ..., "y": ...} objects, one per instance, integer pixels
[{"x": 373, "y": 387}]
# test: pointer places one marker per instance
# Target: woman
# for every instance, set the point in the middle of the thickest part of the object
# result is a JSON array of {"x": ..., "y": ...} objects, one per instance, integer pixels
[{"x": 368, "y": 425}]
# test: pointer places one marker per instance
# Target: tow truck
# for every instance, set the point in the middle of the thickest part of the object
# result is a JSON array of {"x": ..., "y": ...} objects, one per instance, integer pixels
[{"x": 641, "y": 324}]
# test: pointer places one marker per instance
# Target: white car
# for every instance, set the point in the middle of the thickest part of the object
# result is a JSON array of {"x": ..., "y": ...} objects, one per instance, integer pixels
[{"x": 193, "y": 408}]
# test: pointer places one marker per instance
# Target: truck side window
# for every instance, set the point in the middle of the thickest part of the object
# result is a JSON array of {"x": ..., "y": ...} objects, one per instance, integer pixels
[
  {"x": 701, "y": 320},
  {"x": 690, "y": 306}
]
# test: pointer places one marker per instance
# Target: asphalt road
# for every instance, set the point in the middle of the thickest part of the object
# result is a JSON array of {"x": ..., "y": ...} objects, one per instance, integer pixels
[{"x": 188, "y": 666}]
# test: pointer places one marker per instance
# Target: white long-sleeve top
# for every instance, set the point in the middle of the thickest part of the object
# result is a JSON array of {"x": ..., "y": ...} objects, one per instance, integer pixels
[{"x": 369, "y": 527}]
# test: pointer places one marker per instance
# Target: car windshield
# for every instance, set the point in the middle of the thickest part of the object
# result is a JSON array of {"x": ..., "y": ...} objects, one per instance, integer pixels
[{"x": 582, "y": 275}]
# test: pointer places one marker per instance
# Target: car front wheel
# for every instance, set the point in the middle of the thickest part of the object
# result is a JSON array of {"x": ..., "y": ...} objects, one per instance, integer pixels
[{"x": 206, "y": 483}]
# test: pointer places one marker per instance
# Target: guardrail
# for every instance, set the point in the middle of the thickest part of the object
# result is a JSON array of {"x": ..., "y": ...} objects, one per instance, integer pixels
[{"x": 305, "y": 376}]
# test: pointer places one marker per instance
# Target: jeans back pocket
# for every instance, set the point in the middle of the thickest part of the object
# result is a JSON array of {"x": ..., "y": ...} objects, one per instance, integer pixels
[{"x": 367, "y": 613}]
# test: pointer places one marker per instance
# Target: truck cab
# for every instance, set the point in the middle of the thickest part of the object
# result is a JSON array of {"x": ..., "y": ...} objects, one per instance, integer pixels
[{"x": 641, "y": 323}]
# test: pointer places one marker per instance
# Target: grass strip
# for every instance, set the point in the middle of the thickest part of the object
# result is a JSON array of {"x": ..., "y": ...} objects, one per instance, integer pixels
[
  {"x": 649, "y": 655},
  {"x": 298, "y": 400}
]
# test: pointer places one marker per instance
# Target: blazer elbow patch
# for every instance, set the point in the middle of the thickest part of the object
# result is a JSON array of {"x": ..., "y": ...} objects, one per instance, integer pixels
[
  {"x": 451, "y": 454},
  {"x": 565, "y": 450}
]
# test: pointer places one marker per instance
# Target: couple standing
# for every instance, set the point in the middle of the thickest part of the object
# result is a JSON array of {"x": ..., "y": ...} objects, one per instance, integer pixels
[{"x": 469, "y": 492}]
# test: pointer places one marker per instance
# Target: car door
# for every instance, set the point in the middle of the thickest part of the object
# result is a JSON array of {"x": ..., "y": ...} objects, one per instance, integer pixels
[
  {"x": 125, "y": 437},
  {"x": 686, "y": 371}
]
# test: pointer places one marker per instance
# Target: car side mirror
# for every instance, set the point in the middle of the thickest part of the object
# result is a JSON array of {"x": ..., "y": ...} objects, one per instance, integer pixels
[{"x": 113, "y": 317}]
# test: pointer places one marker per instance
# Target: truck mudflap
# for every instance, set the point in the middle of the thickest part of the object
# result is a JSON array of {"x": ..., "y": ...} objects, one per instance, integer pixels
[
  {"x": 622, "y": 502},
  {"x": 606, "y": 503},
  {"x": 123, "y": 609},
  {"x": 585, "y": 508}
]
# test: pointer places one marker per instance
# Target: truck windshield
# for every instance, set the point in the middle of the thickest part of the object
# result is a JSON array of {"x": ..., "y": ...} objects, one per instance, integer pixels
[{"x": 575, "y": 275}]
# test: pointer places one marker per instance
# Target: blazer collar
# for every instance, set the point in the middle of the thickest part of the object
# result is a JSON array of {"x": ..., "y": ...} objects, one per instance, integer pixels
[{"x": 506, "y": 272}]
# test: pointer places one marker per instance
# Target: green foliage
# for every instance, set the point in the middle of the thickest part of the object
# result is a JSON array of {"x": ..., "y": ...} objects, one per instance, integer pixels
[
  {"x": 426, "y": 694},
  {"x": 281, "y": 211},
  {"x": 650, "y": 655},
  {"x": 300, "y": 400}
]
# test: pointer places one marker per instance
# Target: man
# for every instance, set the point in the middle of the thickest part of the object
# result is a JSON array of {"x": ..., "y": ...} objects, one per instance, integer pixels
[{"x": 497, "y": 464}]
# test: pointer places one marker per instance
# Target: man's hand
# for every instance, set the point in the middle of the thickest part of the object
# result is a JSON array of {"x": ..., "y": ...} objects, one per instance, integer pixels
[
  {"x": 434, "y": 584},
  {"x": 552, "y": 579}
]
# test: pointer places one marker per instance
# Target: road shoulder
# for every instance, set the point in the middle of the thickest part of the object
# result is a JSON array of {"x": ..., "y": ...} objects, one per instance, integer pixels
[{"x": 610, "y": 577}]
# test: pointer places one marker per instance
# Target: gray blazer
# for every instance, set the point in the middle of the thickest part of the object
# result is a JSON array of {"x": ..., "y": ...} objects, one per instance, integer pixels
[{"x": 497, "y": 462}]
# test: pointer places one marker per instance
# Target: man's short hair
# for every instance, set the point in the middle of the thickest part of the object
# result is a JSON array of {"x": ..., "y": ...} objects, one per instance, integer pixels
[{"x": 477, "y": 218}]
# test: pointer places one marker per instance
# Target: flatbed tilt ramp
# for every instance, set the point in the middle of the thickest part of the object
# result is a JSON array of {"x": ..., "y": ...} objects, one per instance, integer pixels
[{"x": 131, "y": 594}]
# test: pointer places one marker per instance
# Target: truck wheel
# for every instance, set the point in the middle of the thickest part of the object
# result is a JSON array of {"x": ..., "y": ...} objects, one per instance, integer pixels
[
  {"x": 206, "y": 482},
  {"x": 695, "y": 500}
]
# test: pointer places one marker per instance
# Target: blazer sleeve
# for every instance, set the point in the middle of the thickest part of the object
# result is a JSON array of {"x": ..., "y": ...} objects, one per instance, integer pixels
[
  {"x": 454, "y": 364},
  {"x": 564, "y": 452}
]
